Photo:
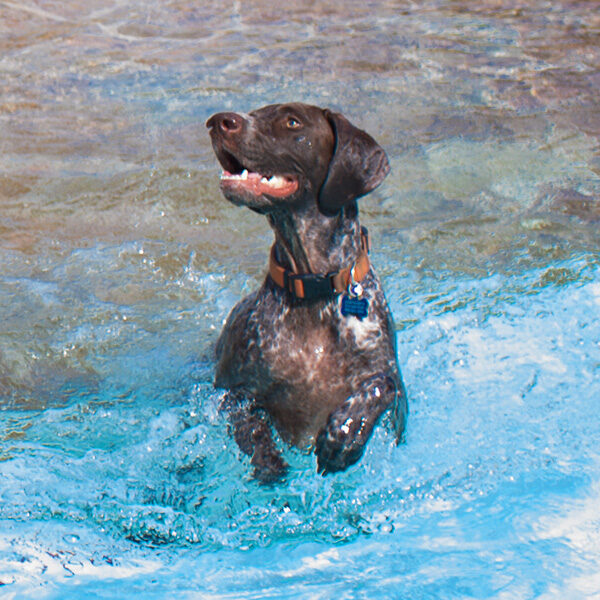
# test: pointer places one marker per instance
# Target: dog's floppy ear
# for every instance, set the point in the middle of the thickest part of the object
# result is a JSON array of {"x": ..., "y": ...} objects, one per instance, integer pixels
[{"x": 359, "y": 164}]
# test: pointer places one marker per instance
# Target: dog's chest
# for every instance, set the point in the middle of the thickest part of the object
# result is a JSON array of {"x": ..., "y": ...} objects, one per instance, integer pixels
[
  {"x": 311, "y": 360},
  {"x": 300, "y": 343},
  {"x": 314, "y": 345}
]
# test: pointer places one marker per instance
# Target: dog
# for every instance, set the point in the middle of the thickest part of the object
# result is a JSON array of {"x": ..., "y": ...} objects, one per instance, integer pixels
[{"x": 312, "y": 351}]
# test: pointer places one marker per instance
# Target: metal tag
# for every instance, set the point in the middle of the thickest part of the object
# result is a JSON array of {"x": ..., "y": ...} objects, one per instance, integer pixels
[{"x": 355, "y": 307}]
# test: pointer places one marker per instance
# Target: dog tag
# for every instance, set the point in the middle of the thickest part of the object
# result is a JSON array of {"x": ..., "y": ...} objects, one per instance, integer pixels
[
  {"x": 354, "y": 307},
  {"x": 353, "y": 303}
]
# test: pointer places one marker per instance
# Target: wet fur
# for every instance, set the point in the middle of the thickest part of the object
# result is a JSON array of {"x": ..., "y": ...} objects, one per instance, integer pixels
[{"x": 321, "y": 378}]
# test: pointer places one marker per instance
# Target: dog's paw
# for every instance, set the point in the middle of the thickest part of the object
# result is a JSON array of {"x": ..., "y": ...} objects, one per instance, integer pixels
[
  {"x": 341, "y": 444},
  {"x": 269, "y": 466}
]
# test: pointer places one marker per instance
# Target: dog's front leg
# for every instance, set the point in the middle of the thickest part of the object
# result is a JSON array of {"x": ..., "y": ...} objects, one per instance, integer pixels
[
  {"x": 252, "y": 433},
  {"x": 342, "y": 441}
]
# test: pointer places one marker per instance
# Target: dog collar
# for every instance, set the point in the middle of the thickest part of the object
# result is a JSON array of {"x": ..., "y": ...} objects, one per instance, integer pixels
[{"x": 311, "y": 286}]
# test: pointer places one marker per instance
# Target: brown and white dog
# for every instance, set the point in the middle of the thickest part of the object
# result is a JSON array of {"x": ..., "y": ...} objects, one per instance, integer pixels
[{"x": 312, "y": 351}]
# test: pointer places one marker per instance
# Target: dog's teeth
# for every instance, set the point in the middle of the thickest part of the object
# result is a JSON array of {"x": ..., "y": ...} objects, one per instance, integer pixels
[
  {"x": 237, "y": 176},
  {"x": 275, "y": 181}
]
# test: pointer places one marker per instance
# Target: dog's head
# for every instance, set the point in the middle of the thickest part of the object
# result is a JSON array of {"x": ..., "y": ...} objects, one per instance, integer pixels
[{"x": 285, "y": 153}]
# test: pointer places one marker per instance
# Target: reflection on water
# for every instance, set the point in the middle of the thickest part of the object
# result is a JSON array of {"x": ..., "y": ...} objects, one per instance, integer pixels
[{"x": 119, "y": 259}]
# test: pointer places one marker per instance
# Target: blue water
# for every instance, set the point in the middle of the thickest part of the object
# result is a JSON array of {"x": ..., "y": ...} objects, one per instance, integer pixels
[
  {"x": 119, "y": 261},
  {"x": 494, "y": 492}
]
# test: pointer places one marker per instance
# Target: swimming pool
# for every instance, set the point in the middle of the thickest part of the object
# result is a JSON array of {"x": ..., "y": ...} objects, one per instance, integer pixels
[{"x": 120, "y": 259}]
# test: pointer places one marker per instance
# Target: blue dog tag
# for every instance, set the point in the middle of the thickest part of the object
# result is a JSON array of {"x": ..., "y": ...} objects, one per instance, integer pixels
[{"x": 355, "y": 307}]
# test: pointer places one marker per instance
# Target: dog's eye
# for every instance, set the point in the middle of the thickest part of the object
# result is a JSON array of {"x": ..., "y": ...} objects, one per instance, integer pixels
[{"x": 293, "y": 123}]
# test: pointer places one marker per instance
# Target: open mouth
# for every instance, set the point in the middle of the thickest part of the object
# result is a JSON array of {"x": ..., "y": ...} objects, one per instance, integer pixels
[
  {"x": 257, "y": 184},
  {"x": 237, "y": 178}
]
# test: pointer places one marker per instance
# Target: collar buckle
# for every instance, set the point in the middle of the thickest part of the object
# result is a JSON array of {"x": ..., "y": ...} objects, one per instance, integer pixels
[{"x": 308, "y": 285}]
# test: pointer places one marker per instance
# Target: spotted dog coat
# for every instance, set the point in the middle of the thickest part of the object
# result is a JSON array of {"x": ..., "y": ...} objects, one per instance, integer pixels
[{"x": 322, "y": 378}]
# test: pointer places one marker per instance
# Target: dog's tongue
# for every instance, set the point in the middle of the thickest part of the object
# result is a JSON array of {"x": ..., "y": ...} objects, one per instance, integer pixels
[{"x": 276, "y": 185}]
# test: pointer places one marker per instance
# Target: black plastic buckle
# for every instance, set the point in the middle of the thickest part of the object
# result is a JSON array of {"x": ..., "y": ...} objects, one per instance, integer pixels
[{"x": 314, "y": 286}]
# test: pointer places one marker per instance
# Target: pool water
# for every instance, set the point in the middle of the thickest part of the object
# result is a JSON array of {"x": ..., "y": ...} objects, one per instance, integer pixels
[{"x": 119, "y": 260}]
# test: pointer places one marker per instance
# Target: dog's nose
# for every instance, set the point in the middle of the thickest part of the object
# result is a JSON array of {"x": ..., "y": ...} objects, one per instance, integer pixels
[{"x": 226, "y": 122}]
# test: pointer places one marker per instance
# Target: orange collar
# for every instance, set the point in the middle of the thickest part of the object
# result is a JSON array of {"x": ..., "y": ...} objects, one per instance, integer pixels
[{"x": 311, "y": 286}]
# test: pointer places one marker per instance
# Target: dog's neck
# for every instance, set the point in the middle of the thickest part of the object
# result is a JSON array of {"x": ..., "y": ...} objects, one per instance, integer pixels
[{"x": 307, "y": 241}]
